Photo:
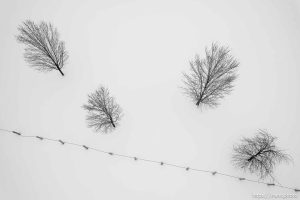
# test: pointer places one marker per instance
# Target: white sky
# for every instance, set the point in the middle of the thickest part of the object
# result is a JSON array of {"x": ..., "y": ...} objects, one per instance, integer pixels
[{"x": 139, "y": 49}]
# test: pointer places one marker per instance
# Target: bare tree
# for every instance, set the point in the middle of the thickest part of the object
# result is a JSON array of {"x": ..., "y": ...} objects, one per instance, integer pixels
[
  {"x": 103, "y": 112},
  {"x": 259, "y": 154},
  {"x": 44, "y": 51},
  {"x": 210, "y": 78}
]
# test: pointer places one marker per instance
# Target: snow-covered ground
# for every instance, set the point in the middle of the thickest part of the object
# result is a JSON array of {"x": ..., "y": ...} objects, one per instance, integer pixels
[{"x": 139, "y": 49}]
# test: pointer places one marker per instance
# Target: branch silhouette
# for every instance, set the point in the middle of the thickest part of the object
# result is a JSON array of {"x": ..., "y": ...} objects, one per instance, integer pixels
[
  {"x": 44, "y": 51},
  {"x": 104, "y": 113},
  {"x": 259, "y": 155},
  {"x": 210, "y": 78}
]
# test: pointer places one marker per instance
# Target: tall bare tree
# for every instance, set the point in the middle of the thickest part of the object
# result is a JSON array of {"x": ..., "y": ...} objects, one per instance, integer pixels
[
  {"x": 44, "y": 51},
  {"x": 210, "y": 78},
  {"x": 259, "y": 154},
  {"x": 103, "y": 112}
]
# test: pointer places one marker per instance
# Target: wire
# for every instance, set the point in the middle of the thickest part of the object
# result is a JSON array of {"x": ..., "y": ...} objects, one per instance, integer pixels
[
  {"x": 187, "y": 168},
  {"x": 4, "y": 130}
]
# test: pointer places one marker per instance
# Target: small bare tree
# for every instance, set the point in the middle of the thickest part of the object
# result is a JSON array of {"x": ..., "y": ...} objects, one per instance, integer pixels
[
  {"x": 259, "y": 154},
  {"x": 210, "y": 78},
  {"x": 103, "y": 112},
  {"x": 43, "y": 49}
]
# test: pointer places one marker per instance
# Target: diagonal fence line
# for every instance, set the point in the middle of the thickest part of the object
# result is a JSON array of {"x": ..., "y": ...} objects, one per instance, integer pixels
[{"x": 187, "y": 168}]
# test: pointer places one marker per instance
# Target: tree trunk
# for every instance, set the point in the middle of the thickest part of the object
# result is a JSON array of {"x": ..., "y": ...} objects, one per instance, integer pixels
[
  {"x": 112, "y": 122},
  {"x": 254, "y": 156},
  {"x": 60, "y": 71},
  {"x": 249, "y": 159},
  {"x": 199, "y": 101}
]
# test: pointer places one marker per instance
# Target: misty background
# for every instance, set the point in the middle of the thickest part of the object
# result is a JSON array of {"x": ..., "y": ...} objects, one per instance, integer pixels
[{"x": 139, "y": 49}]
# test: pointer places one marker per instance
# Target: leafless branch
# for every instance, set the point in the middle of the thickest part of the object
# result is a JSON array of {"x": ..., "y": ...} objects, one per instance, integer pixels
[
  {"x": 259, "y": 154},
  {"x": 103, "y": 112},
  {"x": 211, "y": 78},
  {"x": 43, "y": 49}
]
